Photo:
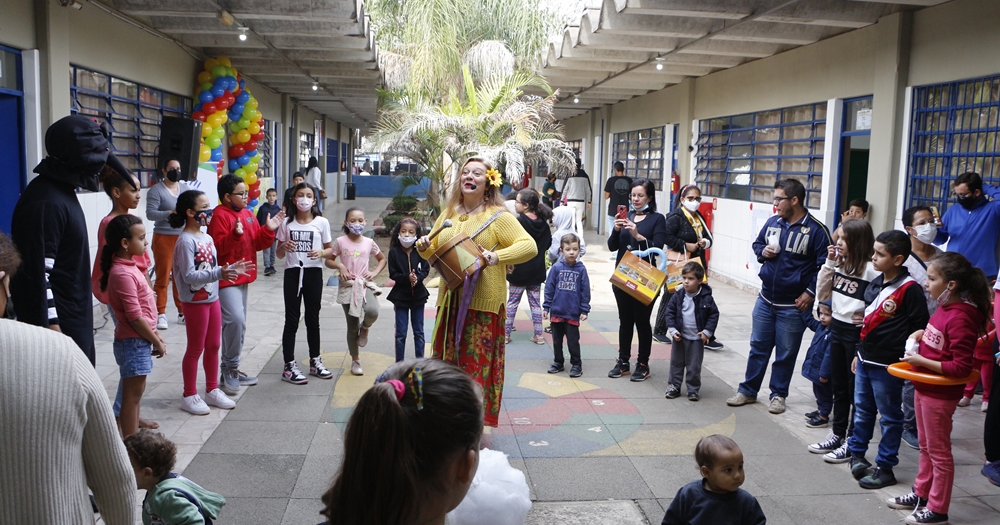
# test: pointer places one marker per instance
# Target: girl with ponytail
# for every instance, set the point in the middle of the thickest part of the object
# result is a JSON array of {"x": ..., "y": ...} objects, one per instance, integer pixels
[
  {"x": 131, "y": 299},
  {"x": 528, "y": 276}
]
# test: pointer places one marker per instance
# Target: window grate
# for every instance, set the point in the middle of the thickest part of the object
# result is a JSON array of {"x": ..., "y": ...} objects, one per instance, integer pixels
[
  {"x": 642, "y": 153},
  {"x": 742, "y": 156},
  {"x": 133, "y": 114},
  {"x": 954, "y": 129}
]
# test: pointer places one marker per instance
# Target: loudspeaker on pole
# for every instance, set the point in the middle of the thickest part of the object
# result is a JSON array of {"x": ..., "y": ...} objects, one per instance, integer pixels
[{"x": 179, "y": 139}]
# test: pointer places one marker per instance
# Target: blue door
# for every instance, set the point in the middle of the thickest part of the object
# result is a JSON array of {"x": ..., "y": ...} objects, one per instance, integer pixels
[{"x": 12, "y": 169}]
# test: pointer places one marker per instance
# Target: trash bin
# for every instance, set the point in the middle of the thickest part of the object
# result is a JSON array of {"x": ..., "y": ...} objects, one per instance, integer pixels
[{"x": 350, "y": 191}]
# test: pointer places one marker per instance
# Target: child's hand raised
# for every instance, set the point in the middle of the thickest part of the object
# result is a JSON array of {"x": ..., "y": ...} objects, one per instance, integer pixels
[{"x": 272, "y": 223}]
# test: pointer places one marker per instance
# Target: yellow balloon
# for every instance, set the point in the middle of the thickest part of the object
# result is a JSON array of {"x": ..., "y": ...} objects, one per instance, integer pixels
[
  {"x": 206, "y": 129},
  {"x": 215, "y": 120},
  {"x": 243, "y": 136},
  {"x": 203, "y": 77},
  {"x": 252, "y": 103},
  {"x": 250, "y": 179},
  {"x": 224, "y": 61},
  {"x": 204, "y": 154},
  {"x": 210, "y": 63},
  {"x": 253, "y": 128}
]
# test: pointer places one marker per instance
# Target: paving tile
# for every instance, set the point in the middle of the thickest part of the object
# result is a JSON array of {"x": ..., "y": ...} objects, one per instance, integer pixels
[
  {"x": 651, "y": 509},
  {"x": 316, "y": 476},
  {"x": 867, "y": 508},
  {"x": 559, "y": 480},
  {"x": 247, "y": 475},
  {"x": 261, "y": 437},
  {"x": 302, "y": 511},
  {"x": 327, "y": 441},
  {"x": 279, "y": 408},
  {"x": 253, "y": 511}
]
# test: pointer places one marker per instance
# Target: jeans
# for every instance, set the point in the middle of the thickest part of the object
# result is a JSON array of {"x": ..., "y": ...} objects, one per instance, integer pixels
[
  {"x": 844, "y": 339},
  {"x": 778, "y": 329},
  {"x": 269, "y": 255},
  {"x": 875, "y": 390},
  {"x": 233, "y": 300},
  {"x": 572, "y": 333},
  {"x": 413, "y": 315},
  {"x": 578, "y": 207},
  {"x": 632, "y": 313},
  {"x": 909, "y": 413},
  {"x": 611, "y": 225},
  {"x": 824, "y": 398},
  {"x": 686, "y": 354},
  {"x": 311, "y": 293}
]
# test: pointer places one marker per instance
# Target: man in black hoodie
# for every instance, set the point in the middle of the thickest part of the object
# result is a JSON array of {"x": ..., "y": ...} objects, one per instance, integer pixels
[{"x": 52, "y": 288}]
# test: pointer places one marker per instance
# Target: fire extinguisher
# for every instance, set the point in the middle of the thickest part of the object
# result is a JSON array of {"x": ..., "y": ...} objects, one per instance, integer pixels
[
  {"x": 675, "y": 183},
  {"x": 527, "y": 177}
]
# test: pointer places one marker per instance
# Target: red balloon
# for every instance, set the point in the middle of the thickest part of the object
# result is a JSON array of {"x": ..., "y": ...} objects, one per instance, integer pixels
[
  {"x": 254, "y": 193},
  {"x": 237, "y": 91},
  {"x": 221, "y": 102},
  {"x": 218, "y": 171},
  {"x": 250, "y": 146},
  {"x": 198, "y": 115},
  {"x": 221, "y": 164},
  {"x": 209, "y": 108},
  {"x": 259, "y": 136},
  {"x": 255, "y": 185},
  {"x": 237, "y": 150}
]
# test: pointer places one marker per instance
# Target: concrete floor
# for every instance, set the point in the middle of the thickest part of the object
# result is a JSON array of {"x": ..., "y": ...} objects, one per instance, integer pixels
[{"x": 583, "y": 441}]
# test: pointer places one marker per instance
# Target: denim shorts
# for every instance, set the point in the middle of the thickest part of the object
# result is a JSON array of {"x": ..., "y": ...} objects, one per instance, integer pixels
[{"x": 134, "y": 357}]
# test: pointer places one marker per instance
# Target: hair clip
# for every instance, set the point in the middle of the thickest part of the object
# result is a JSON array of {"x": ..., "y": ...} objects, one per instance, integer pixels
[
  {"x": 417, "y": 386},
  {"x": 399, "y": 387}
]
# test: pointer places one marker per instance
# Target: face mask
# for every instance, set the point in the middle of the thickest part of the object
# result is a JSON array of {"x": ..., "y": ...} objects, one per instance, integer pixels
[
  {"x": 967, "y": 202},
  {"x": 631, "y": 208},
  {"x": 204, "y": 217},
  {"x": 406, "y": 242},
  {"x": 691, "y": 206},
  {"x": 303, "y": 203},
  {"x": 945, "y": 295},
  {"x": 356, "y": 229},
  {"x": 173, "y": 175},
  {"x": 926, "y": 232}
]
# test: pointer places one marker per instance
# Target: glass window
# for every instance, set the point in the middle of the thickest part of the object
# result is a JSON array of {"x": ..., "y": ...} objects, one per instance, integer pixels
[
  {"x": 642, "y": 155},
  {"x": 9, "y": 71}
]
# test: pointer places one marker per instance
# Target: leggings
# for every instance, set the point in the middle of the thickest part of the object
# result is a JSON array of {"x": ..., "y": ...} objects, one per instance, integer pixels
[
  {"x": 632, "y": 313},
  {"x": 203, "y": 323},
  {"x": 163, "y": 255},
  {"x": 843, "y": 345},
  {"x": 311, "y": 293},
  {"x": 514, "y": 300},
  {"x": 354, "y": 324},
  {"x": 985, "y": 375}
]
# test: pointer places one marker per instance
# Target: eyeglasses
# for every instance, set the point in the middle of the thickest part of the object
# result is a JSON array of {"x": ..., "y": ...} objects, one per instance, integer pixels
[
  {"x": 693, "y": 199},
  {"x": 240, "y": 194},
  {"x": 779, "y": 199}
]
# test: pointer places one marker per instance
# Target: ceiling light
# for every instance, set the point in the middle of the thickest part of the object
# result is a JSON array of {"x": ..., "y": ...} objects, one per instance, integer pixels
[
  {"x": 659, "y": 64},
  {"x": 243, "y": 34},
  {"x": 576, "y": 100},
  {"x": 225, "y": 17},
  {"x": 315, "y": 86}
]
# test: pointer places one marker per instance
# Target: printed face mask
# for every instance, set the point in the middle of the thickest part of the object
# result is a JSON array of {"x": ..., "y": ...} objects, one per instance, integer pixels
[
  {"x": 303, "y": 203},
  {"x": 356, "y": 229},
  {"x": 204, "y": 217},
  {"x": 926, "y": 232},
  {"x": 406, "y": 242},
  {"x": 692, "y": 206}
]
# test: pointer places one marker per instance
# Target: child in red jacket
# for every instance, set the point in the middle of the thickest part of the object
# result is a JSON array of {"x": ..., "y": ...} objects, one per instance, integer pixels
[
  {"x": 238, "y": 237},
  {"x": 946, "y": 347}
]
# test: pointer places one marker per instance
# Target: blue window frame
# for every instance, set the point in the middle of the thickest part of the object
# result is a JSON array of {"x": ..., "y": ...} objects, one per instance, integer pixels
[
  {"x": 741, "y": 156},
  {"x": 642, "y": 153},
  {"x": 133, "y": 113},
  {"x": 954, "y": 130},
  {"x": 13, "y": 161}
]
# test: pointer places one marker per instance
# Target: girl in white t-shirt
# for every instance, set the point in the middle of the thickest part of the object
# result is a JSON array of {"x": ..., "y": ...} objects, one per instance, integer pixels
[
  {"x": 304, "y": 241},
  {"x": 351, "y": 255}
]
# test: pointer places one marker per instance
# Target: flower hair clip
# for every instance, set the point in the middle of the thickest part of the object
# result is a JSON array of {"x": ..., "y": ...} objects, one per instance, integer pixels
[
  {"x": 493, "y": 177},
  {"x": 417, "y": 386}
]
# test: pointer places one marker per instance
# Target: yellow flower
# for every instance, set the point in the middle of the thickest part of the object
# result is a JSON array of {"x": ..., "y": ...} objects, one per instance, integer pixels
[{"x": 493, "y": 177}]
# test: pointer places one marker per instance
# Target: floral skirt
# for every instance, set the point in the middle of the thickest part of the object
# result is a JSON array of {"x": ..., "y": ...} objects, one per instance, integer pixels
[{"x": 480, "y": 352}]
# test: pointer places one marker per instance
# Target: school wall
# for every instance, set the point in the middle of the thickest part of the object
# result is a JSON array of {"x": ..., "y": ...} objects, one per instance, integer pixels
[{"x": 17, "y": 29}]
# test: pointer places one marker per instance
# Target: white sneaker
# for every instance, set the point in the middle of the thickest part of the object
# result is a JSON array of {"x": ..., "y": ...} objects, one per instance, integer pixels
[
  {"x": 180, "y": 319},
  {"x": 219, "y": 399},
  {"x": 363, "y": 336},
  {"x": 965, "y": 401},
  {"x": 194, "y": 405},
  {"x": 986, "y": 406},
  {"x": 161, "y": 322},
  {"x": 356, "y": 368}
]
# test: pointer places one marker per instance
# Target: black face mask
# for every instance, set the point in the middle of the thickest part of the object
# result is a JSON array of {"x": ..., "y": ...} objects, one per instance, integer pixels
[
  {"x": 967, "y": 202},
  {"x": 173, "y": 175}
]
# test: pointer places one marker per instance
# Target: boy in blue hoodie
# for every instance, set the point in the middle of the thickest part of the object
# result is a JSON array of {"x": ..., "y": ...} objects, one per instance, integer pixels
[
  {"x": 171, "y": 499},
  {"x": 692, "y": 317},
  {"x": 817, "y": 366},
  {"x": 567, "y": 297}
]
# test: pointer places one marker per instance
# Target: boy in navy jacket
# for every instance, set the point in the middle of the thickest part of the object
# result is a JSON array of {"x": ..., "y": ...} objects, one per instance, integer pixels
[
  {"x": 692, "y": 317},
  {"x": 817, "y": 366},
  {"x": 567, "y": 297}
]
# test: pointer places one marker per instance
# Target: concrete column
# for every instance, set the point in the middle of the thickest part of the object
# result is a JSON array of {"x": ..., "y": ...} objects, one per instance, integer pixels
[
  {"x": 52, "y": 29},
  {"x": 286, "y": 132},
  {"x": 892, "y": 65},
  {"x": 341, "y": 161},
  {"x": 686, "y": 113}
]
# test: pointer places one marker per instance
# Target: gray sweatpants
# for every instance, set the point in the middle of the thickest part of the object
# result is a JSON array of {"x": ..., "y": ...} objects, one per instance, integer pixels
[
  {"x": 686, "y": 354},
  {"x": 233, "y": 300},
  {"x": 909, "y": 414},
  {"x": 353, "y": 325}
]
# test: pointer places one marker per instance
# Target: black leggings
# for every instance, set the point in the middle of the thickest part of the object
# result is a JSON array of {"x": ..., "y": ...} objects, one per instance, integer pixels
[
  {"x": 843, "y": 347},
  {"x": 312, "y": 293},
  {"x": 632, "y": 313},
  {"x": 991, "y": 431}
]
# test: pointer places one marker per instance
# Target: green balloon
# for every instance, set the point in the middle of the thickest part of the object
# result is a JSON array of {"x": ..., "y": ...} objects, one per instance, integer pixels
[
  {"x": 250, "y": 114},
  {"x": 219, "y": 132},
  {"x": 207, "y": 86},
  {"x": 213, "y": 142},
  {"x": 243, "y": 123},
  {"x": 234, "y": 127},
  {"x": 219, "y": 71},
  {"x": 240, "y": 172}
]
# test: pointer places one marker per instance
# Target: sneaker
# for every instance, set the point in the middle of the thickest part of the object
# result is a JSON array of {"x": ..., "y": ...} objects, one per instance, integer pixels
[
  {"x": 818, "y": 422},
  {"x": 362, "y": 337},
  {"x": 621, "y": 367},
  {"x": 576, "y": 371},
  {"x": 693, "y": 397},
  {"x": 317, "y": 369},
  {"x": 985, "y": 407},
  {"x": 910, "y": 438},
  {"x": 547, "y": 329},
  {"x": 860, "y": 467},
  {"x": 992, "y": 472},
  {"x": 356, "y": 368},
  {"x": 740, "y": 399},
  {"x": 230, "y": 382},
  {"x": 292, "y": 374},
  {"x": 906, "y": 502},
  {"x": 839, "y": 455},
  {"x": 506, "y": 340},
  {"x": 218, "y": 399},
  {"x": 661, "y": 338},
  {"x": 881, "y": 477},
  {"x": 195, "y": 405},
  {"x": 777, "y": 405},
  {"x": 832, "y": 443},
  {"x": 714, "y": 344},
  {"x": 925, "y": 515},
  {"x": 246, "y": 380},
  {"x": 672, "y": 392},
  {"x": 965, "y": 401},
  {"x": 555, "y": 368},
  {"x": 161, "y": 322},
  {"x": 640, "y": 373},
  {"x": 811, "y": 415},
  {"x": 180, "y": 318},
  {"x": 538, "y": 340}
]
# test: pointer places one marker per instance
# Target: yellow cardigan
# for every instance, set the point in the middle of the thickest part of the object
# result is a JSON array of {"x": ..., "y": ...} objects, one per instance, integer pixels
[{"x": 514, "y": 246}]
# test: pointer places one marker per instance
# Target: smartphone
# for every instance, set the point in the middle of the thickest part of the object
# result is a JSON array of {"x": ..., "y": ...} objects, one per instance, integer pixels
[
  {"x": 935, "y": 214},
  {"x": 622, "y": 211}
]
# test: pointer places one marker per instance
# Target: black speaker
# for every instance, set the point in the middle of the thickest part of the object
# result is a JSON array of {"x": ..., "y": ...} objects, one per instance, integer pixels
[{"x": 180, "y": 139}]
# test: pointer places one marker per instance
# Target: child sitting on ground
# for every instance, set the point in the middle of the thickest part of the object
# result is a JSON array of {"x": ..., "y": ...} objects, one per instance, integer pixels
[
  {"x": 817, "y": 365},
  {"x": 170, "y": 498},
  {"x": 717, "y": 498},
  {"x": 692, "y": 318},
  {"x": 567, "y": 297}
]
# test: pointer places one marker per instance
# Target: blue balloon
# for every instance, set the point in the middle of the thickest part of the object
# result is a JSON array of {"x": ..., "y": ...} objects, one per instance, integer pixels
[
  {"x": 243, "y": 97},
  {"x": 197, "y": 107},
  {"x": 237, "y": 108},
  {"x": 217, "y": 91},
  {"x": 220, "y": 82},
  {"x": 217, "y": 155},
  {"x": 244, "y": 159},
  {"x": 232, "y": 83},
  {"x": 243, "y": 84},
  {"x": 205, "y": 96},
  {"x": 234, "y": 164},
  {"x": 253, "y": 203}
]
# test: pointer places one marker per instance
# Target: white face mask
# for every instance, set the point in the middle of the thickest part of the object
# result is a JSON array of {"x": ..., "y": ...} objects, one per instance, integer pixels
[
  {"x": 926, "y": 232},
  {"x": 406, "y": 242},
  {"x": 303, "y": 203},
  {"x": 692, "y": 206}
]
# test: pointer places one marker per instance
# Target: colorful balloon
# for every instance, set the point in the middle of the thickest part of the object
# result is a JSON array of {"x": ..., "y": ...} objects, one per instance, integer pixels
[
  {"x": 254, "y": 193},
  {"x": 219, "y": 71},
  {"x": 198, "y": 115},
  {"x": 208, "y": 108},
  {"x": 251, "y": 146},
  {"x": 213, "y": 142},
  {"x": 253, "y": 128},
  {"x": 244, "y": 123},
  {"x": 236, "y": 151},
  {"x": 204, "y": 153},
  {"x": 240, "y": 173},
  {"x": 206, "y": 130},
  {"x": 250, "y": 178},
  {"x": 204, "y": 76},
  {"x": 210, "y": 63},
  {"x": 224, "y": 61},
  {"x": 251, "y": 167},
  {"x": 204, "y": 97},
  {"x": 243, "y": 136},
  {"x": 233, "y": 165}
]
